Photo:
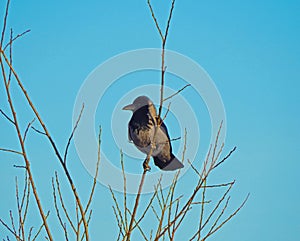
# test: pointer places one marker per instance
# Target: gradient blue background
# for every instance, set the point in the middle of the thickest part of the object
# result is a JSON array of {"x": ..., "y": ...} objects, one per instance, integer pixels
[{"x": 249, "y": 48}]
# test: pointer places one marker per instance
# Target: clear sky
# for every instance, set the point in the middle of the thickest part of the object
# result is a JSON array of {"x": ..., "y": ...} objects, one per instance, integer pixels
[{"x": 250, "y": 49}]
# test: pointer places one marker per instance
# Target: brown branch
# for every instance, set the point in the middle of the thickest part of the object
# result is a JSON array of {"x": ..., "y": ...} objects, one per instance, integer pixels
[
  {"x": 27, "y": 198},
  {"x": 96, "y": 174},
  {"x": 21, "y": 230},
  {"x": 4, "y": 23},
  {"x": 139, "y": 228},
  {"x": 18, "y": 166},
  {"x": 172, "y": 187},
  {"x": 227, "y": 219},
  {"x": 38, "y": 131},
  {"x": 62, "y": 224},
  {"x": 10, "y": 58},
  {"x": 30, "y": 233},
  {"x": 70, "y": 180},
  {"x": 40, "y": 228},
  {"x": 9, "y": 229},
  {"x": 12, "y": 151},
  {"x": 225, "y": 158},
  {"x": 213, "y": 160},
  {"x": 62, "y": 202},
  {"x": 12, "y": 221},
  {"x": 155, "y": 213},
  {"x": 213, "y": 211},
  {"x": 118, "y": 209},
  {"x": 118, "y": 222},
  {"x": 202, "y": 177},
  {"x": 88, "y": 221},
  {"x": 7, "y": 117},
  {"x": 72, "y": 134},
  {"x": 15, "y": 38},
  {"x": 124, "y": 190},
  {"x": 202, "y": 209},
  {"x": 149, "y": 204},
  {"x": 169, "y": 20},
  {"x": 27, "y": 129},
  {"x": 128, "y": 234},
  {"x": 15, "y": 120},
  {"x": 176, "y": 93},
  {"x": 167, "y": 112},
  {"x": 155, "y": 20}
]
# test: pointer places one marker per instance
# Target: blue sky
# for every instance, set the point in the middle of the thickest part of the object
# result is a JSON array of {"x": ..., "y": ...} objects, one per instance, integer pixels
[{"x": 251, "y": 51}]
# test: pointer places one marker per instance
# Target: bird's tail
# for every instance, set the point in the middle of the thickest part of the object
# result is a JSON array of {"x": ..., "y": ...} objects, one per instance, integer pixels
[{"x": 171, "y": 165}]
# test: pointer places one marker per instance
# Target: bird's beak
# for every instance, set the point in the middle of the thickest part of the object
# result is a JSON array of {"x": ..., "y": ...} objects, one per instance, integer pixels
[{"x": 128, "y": 107}]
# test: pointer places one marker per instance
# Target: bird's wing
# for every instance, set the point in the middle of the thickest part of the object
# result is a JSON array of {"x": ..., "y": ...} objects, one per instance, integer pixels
[
  {"x": 163, "y": 127},
  {"x": 129, "y": 134}
]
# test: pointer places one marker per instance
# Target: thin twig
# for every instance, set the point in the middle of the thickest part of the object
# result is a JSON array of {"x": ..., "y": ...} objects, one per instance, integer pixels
[
  {"x": 118, "y": 222},
  {"x": 139, "y": 228},
  {"x": 124, "y": 190},
  {"x": 225, "y": 158},
  {"x": 96, "y": 174},
  {"x": 21, "y": 230},
  {"x": 70, "y": 180},
  {"x": 38, "y": 131},
  {"x": 128, "y": 234},
  {"x": 149, "y": 204},
  {"x": 7, "y": 117},
  {"x": 155, "y": 20},
  {"x": 9, "y": 229},
  {"x": 27, "y": 128},
  {"x": 62, "y": 203},
  {"x": 169, "y": 20},
  {"x": 15, "y": 120},
  {"x": 227, "y": 219},
  {"x": 40, "y": 228},
  {"x": 72, "y": 134},
  {"x": 176, "y": 93},
  {"x": 4, "y": 23},
  {"x": 62, "y": 224},
  {"x": 10, "y": 57},
  {"x": 167, "y": 112},
  {"x": 117, "y": 208},
  {"x": 202, "y": 210},
  {"x": 15, "y": 38},
  {"x": 12, "y": 151}
]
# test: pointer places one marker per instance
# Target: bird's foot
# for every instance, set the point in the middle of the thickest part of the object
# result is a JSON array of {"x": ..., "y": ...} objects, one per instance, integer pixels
[{"x": 146, "y": 165}]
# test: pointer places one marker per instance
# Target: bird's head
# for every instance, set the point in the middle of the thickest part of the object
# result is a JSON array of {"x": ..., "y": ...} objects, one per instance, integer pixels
[{"x": 138, "y": 103}]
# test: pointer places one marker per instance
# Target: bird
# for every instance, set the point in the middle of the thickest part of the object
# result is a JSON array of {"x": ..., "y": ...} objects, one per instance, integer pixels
[{"x": 141, "y": 131}]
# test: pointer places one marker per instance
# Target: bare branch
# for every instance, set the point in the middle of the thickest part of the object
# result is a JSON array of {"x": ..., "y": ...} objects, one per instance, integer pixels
[
  {"x": 4, "y": 23},
  {"x": 38, "y": 131},
  {"x": 72, "y": 134},
  {"x": 62, "y": 224},
  {"x": 70, "y": 180},
  {"x": 62, "y": 203},
  {"x": 230, "y": 217},
  {"x": 12, "y": 151},
  {"x": 7, "y": 117},
  {"x": 155, "y": 20},
  {"x": 27, "y": 128},
  {"x": 225, "y": 158},
  {"x": 15, "y": 38},
  {"x": 124, "y": 190},
  {"x": 176, "y": 93},
  {"x": 9, "y": 229},
  {"x": 169, "y": 20},
  {"x": 40, "y": 228},
  {"x": 118, "y": 209}
]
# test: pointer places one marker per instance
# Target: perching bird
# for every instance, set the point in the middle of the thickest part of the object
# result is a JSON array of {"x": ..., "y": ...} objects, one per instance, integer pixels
[{"x": 141, "y": 129}]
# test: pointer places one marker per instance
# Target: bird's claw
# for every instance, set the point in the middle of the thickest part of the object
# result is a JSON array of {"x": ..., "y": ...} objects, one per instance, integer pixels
[{"x": 146, "y": 166}]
